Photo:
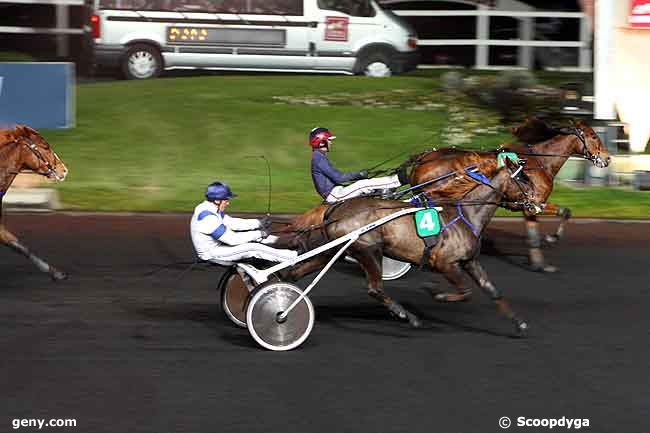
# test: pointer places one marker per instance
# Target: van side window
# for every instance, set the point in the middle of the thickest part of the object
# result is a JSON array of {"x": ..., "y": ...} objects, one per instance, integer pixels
[
  {"x": 214, "y": 6},
  {"x": 276, "y": 7},
  {"x": 355, "y": 8}
]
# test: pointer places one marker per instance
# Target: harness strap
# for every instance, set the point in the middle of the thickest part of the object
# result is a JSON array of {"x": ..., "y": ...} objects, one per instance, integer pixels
[
  {"x": 425, "y": 201},
  {"x": 429, "y": 243},
  {"x": 473, "y": 172},
  {"x": 330, "y": 209},
  {"x": 461, "y": 216}
]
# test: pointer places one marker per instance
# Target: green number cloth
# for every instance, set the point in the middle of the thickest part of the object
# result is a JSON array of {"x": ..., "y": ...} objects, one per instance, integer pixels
[{"x": 427, "y": 222}]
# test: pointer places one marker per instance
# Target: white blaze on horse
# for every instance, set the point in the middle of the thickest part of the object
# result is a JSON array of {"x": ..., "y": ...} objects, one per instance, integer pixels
[{"x": 22, "y": 148}]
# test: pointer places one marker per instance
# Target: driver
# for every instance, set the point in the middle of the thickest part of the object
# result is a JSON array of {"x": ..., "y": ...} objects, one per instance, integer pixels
[
  {"x": 219, "y": 237},
  {"x": 327, "y": 179}
]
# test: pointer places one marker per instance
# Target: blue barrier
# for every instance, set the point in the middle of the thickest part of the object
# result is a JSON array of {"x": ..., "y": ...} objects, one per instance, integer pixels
[{"x": 40, "y": 95}]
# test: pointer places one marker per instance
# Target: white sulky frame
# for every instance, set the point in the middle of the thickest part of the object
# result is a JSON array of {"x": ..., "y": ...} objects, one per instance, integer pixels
[{"x": 261, "y": 276}]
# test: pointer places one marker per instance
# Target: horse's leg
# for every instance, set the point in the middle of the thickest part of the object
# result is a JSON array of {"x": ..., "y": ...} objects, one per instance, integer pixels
[
  {"x": 535, "y": 255},
  {"x": 564, "y": 213},
  {"x": 305, "y": 268},
  {"x": 476, "y": 271},
  {"x": 370, "y": 262},
  {"x": 457, "y": 277},
  {"x": 12, "y": 242}
]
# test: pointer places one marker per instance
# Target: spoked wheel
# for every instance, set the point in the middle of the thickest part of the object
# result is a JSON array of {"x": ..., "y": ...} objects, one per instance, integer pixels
[
  {"x": 234, "y": 293},
  {"x": 393, "y": 269},
  {"x": 264, "y": 323}
]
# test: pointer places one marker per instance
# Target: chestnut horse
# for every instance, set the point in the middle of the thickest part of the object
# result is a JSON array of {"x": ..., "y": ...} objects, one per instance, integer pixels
[
  {"x": 543, "y": 161},
  {"x": 22, "y": 148},
  {"x": 455, "y": 254}
]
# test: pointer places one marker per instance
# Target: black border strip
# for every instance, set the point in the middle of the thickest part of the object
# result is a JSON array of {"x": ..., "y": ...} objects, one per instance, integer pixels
[{"x": 242, "y": 51}]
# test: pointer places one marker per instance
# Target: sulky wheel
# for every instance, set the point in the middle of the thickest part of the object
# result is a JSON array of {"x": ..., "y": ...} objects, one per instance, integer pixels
[
  {"x": 234, "y": 293},
  {"x": 393, "y": 269},
  {"x": 264, "y": 308}
]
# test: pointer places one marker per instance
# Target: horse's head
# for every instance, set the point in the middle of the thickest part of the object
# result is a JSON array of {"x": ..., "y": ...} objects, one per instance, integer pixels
[
  {"x": 517, "y": 189},
  {"x": 590, "y": 146},
  {"x": 37, "y": 154}
]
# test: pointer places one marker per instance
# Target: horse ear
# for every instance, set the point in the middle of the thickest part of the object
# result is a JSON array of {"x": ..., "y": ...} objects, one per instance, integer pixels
[
  {"x": 512, "y": 166},
  {"x": 28, "y": 130}
]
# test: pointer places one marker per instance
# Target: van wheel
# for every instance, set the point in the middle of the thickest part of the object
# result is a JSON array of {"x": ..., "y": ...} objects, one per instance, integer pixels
[
  {"x": 141, "y": 62},
  {"x": 376, "y": 65}
]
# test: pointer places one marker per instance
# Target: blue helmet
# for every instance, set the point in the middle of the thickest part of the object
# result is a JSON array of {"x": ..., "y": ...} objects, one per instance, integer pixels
[{"x": 219, "y": 191}]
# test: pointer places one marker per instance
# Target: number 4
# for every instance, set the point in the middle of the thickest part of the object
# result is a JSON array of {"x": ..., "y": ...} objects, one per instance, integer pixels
[{"x": 426, "y": 223}]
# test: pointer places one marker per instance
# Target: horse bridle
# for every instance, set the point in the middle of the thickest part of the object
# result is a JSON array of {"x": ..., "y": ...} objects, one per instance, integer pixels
[
  {"x": 33, "y": 147},
  {"x": 527, "y": 203},
  {"x": 580, "y": 133}
]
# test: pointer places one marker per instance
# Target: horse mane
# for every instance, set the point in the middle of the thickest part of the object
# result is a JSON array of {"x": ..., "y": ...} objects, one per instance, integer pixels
[
  {"x": 534, "y": 130},
  {"x": 7, "y": 134}
]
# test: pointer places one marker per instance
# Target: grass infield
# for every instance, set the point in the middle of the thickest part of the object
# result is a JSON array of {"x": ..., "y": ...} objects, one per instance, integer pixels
[{"x": 154, "y": 145}]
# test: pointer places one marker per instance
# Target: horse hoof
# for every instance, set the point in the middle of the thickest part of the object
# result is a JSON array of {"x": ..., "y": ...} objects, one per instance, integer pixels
[
  {"x": 551, "y": 239},
  {"x": 397, "y": 312},
  {"x": 58, "y": 276},
  {"x": 521, "y": 328},
  {"x": 414, "y": 321},
  {"x": 547, "y": 269},
  {"x": 452, "y": 297}
]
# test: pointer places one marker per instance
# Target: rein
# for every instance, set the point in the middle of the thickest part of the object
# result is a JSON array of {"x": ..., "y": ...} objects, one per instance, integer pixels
[
  {"x": 429, "y": 202},
  {"x": 415, "y": 159}
]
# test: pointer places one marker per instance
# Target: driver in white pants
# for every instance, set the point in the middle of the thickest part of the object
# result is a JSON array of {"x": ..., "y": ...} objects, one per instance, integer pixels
[
  {"x": 219, "y": 237},
  {"x": 327, "y": 179}
]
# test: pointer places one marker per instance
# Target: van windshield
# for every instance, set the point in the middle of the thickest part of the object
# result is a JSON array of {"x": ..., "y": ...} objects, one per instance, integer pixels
[
  {"x": 266, "y": 7},
  {"x": 355, "y": 8}
]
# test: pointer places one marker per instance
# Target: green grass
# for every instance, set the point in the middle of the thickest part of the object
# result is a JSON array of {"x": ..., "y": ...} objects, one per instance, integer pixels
[
  {"x": 599, "y": 202},
  {"x": 154, "y": 145},
  {"x": 12, "y": 56}
]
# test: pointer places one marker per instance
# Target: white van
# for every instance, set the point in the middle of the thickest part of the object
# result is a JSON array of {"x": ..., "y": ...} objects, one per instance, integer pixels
[{"x": 144, "y": 37}]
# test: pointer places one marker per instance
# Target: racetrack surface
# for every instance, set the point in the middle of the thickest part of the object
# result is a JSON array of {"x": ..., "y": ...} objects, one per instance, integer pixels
[{"x": 125, "y": 346}]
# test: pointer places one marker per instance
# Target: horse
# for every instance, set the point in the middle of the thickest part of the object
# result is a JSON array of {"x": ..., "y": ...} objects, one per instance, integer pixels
[
  {"x": 553, "y": 146},
  {"x": 22, "y": 148},
  {"x": 455, "y": 253}
]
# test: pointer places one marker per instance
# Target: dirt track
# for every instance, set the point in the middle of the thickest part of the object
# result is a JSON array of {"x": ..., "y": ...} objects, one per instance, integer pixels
[{"x": 121, "y": 349}]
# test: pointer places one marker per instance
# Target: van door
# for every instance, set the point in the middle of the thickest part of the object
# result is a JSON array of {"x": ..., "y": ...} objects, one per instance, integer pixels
[{"x": 343, "y": 26}]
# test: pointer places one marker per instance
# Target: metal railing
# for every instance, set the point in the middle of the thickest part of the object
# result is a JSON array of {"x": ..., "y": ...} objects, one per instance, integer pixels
[
  {"x": 61, "y": 27},
  {"x": 526, "y": 42}
]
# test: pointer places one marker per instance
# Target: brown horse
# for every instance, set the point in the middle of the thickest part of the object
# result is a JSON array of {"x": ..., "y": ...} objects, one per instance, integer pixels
[
  {"x": 455, "y": 254},
  {"x": 543, "y": 161},
  {"x": 22, "y": 148}
]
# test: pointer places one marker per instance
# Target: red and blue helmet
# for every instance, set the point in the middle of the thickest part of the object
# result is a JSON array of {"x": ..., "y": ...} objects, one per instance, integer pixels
[
  {"x": 320, "y": 137},
  {"x": 219, "y": 191}
]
